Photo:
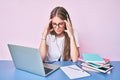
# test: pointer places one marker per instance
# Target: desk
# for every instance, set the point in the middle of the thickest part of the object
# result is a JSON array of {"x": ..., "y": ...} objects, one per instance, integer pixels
[{"x": 8, "y": 72}]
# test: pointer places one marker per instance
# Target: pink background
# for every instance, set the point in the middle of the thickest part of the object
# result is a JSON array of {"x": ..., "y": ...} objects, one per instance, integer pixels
[{"x": 97, "y": 21}]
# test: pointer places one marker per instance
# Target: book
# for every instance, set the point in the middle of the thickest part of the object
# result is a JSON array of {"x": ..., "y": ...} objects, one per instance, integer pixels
[
  {"x": 73, "y": 71},
  {"x": 88, "y": 69},
  {"x": 107, "y": 61},
  {"x": 97, "y": 67},
  {"x": 95, "y": 58},
  {"x": 92, "y": 70}
]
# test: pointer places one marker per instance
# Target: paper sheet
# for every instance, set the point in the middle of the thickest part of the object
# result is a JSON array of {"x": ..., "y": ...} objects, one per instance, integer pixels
[{"x": 73, "y": 71}]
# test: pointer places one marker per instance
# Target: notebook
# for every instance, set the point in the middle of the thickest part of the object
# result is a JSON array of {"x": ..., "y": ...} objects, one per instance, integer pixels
[
  {"x": 100, "y": 69},
  {"x": 74, "y": 72},
  {"x": 29, "y": 59},
  {"x": 95, "y": 58}
]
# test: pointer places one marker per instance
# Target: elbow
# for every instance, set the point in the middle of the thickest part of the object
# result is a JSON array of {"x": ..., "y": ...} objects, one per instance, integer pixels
[{"x": 75, "y": 59}]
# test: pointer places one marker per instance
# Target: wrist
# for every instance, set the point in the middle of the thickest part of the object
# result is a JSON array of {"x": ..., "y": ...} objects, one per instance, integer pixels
[
  {"x": 71, "y": 37},
  {"x": 43, "y": 37}
]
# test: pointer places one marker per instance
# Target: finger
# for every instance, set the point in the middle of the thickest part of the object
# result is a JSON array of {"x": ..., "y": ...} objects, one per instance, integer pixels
[
  {"x": 68, "y": 20},
  {"x": 67, "y": 25},
  {"x": 65, "y": 30},
  {"x": 51, "y": 30},
  {"x": 49, "y": 21},
  {"x": 47, "y": 25}
]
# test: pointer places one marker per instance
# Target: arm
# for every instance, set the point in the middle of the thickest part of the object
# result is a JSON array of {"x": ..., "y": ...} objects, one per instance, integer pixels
[
  {"x": 43, "y": 48},
  {"x": 74, "y": 50},
  {"x": 43, "y": 44}
]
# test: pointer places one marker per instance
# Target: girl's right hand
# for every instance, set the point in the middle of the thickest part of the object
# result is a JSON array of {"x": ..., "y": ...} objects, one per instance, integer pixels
[{"x": 47, "y": 30}]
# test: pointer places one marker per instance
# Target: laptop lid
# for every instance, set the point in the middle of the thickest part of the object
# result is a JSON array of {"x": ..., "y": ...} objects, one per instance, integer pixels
[{"x": 27, "y": 59}]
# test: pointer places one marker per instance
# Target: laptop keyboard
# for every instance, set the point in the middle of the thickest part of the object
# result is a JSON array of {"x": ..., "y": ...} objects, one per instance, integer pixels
[{"x": 47, "y": 70}]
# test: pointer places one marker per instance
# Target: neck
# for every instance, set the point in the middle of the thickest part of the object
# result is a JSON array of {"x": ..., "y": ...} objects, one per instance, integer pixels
[{"x": 60, "y": 35}]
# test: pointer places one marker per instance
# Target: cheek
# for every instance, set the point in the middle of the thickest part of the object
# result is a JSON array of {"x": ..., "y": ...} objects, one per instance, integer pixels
[{"x": 63, "y": 28}]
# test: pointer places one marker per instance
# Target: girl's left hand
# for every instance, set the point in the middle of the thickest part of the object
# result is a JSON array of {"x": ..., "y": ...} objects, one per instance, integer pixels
[{"x": 69, "y": 28}]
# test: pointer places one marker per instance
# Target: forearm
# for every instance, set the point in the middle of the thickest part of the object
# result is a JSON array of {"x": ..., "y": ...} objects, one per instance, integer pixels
[
  {"x": 43, "y": 48},
  {"x": 74, "y": 51},
  {"x": 43, "y": 45}
]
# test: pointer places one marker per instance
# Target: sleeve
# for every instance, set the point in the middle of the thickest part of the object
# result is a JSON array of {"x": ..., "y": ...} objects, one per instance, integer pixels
[
  {"x": 76, "y": 38},
  {"x": 48, "y": 39}
]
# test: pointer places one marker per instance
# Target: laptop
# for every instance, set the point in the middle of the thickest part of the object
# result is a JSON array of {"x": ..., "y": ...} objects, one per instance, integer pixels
[{"x": 29, "y": 59}]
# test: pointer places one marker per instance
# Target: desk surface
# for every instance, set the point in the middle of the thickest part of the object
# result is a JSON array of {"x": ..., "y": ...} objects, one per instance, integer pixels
[{"x": 8, "y": 72}]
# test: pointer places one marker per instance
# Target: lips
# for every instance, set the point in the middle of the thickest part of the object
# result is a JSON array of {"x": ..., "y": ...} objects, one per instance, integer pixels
[{"x": 58, "y": 31}]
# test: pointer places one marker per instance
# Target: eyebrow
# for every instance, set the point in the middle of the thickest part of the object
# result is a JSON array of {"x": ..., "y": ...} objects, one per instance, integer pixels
[{"x": 59, "y": 22}]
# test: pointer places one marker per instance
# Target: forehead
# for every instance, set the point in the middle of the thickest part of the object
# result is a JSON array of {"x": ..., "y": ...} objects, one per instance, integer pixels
[{"x": 57, "y": 19}]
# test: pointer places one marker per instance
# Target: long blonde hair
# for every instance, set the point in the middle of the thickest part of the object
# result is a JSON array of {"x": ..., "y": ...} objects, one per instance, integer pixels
[{"x": 62, "y": 14}]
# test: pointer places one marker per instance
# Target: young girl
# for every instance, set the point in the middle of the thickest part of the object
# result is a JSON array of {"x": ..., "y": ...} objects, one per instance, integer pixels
[{"x": 59, "y": 40}]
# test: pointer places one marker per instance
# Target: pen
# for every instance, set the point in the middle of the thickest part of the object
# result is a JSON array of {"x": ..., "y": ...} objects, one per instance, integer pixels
[{"x": 75, "y": 69}]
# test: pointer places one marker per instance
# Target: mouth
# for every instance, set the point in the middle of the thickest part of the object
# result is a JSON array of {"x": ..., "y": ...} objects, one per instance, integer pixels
[{"x": 58, "y": 31}]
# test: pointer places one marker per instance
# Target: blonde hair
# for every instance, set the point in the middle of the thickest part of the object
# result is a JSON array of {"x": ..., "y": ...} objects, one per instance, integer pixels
[{"x": 62, "y": 14}]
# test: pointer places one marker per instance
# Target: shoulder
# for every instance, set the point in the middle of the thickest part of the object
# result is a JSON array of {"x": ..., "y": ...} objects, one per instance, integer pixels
[
  {"x": 75, "y": 32},
  {"x": 50, "y": 38}
]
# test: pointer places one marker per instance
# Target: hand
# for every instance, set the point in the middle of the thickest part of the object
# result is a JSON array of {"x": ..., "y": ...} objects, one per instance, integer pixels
[
  {"x": 47, "y": 30},
  {"x": 69, "y": 28}
]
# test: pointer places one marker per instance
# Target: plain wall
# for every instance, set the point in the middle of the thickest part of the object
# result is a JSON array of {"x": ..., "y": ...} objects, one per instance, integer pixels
[{"x": 97, "y": 21}]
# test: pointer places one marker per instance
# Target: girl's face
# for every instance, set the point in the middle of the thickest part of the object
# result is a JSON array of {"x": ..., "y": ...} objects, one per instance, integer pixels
[{"x": 58, "y": 25}]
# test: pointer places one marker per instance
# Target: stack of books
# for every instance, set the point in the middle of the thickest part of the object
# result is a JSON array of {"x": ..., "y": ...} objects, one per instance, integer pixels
[{"x": 93, "y": 62}]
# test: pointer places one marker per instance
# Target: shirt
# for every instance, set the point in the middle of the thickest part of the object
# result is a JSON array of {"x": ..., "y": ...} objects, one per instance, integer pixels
[{"x": 56, "y": 46}]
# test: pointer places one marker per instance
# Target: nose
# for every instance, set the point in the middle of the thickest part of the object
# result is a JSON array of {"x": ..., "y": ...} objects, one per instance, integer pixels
[{"x": 57, "y": 26}]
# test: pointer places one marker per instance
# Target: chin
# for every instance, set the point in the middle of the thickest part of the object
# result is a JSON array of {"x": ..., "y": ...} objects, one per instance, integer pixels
[{"x": 58, "y": 33}]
